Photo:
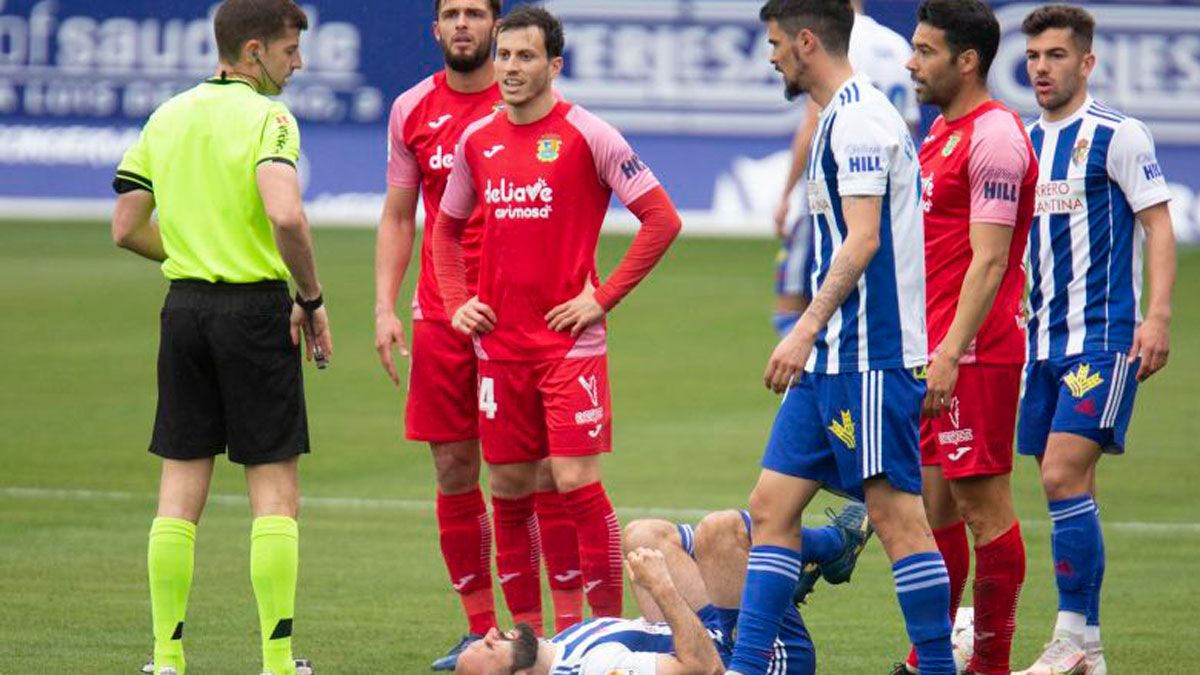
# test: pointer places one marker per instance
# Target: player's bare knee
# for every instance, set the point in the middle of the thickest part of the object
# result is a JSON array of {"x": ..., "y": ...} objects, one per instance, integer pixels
[
  {"x": 721, "y": 531},
  {"x": 649, "y": 533},
  {"x": 1061, "y": 481},
  {"x": 456, "y": 466}
]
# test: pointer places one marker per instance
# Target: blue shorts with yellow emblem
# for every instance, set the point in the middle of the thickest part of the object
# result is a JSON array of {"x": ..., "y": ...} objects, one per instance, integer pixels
[
  {"x": 1089, "y": 395},
  {"x": 841, "y": 430}
]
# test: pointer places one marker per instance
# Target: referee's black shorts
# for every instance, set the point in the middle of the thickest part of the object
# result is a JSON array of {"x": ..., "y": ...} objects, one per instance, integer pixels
[{"x": 229, "y": 375}]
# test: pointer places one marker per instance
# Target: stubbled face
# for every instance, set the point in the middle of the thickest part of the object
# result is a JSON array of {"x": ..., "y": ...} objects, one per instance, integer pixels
[
  {"x": 278, "y": 59},
  {"x": 933, "y": 67},
  {"x": 464, "y": 29},
  {"x": 500, "y": 653},
  {"x": 523, "y": 68},
  {"x": 787, "y": 61},
  {"x": 1057, "y": 67}
]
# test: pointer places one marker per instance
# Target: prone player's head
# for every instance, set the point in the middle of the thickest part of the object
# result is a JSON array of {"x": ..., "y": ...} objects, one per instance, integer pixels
[
  {"x": 954, "y": 45},
  {"x": 529, "y": 49},
  {"x": 802, "y": 33},
  {"x": 464, "y": 29},
  {"x": 500, "y": 653},
  {"x": 261, "y": 37},
  {"x": 1058, "y": 53}
]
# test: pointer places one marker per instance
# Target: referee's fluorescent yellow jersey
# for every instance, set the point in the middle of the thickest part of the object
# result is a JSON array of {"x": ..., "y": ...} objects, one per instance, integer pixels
[{"x": 198, "y": 154}]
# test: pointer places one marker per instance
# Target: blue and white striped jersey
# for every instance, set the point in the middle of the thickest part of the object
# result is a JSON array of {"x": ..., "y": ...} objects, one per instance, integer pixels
[
  {"x": 862, "y": 147},
  {"x": 1097, "y": 169},
  {"x": 605, "y": 646}
]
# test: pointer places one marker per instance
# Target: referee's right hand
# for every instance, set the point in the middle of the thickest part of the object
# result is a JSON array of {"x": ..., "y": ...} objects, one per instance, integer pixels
[{"x": 316, "y": 333}]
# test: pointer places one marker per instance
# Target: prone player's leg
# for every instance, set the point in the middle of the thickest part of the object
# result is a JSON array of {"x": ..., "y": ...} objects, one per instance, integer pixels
[{"x": 664, "y": 536}]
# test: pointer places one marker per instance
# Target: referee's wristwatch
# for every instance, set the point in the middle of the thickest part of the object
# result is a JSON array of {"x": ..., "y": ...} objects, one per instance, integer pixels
[{"x": 310, "y": 306}]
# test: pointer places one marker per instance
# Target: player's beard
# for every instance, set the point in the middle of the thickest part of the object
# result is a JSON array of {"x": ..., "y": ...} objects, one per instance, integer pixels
[
  {"x": 467, "y": 63},
  {"x": 525, "y": 648}
]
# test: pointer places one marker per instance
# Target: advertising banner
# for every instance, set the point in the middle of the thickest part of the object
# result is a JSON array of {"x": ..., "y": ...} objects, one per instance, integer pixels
[{"x": 687, "y": 81}]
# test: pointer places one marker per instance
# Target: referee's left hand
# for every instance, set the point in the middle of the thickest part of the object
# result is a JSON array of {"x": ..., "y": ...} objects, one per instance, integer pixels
[
  {"x": 576, "y": 314},
  {"x": 942, "y": 376}
]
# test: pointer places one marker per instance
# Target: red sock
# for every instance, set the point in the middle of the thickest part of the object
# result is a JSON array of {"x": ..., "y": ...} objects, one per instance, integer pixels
[
  {"x": 952, "y": 543},
  {"x": 518, "y": 558},
  {"x": 999, "y": 573},
  {"x": 466, "y": 536},
  {"x": 560, "y": 548},
  {"x": 599, "y": 547}
]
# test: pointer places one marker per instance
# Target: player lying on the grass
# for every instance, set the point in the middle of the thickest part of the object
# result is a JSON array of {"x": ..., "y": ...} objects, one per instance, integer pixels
[
  {"x": 688, "y": 581},
  {"x": 1089, "y": 345}
]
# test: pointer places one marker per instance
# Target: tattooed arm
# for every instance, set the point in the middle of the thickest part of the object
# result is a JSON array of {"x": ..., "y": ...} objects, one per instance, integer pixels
[{"x": 862, "y": 242}]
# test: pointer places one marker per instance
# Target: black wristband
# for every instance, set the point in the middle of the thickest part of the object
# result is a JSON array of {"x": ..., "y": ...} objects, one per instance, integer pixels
[{"x": 310, "y": 306}]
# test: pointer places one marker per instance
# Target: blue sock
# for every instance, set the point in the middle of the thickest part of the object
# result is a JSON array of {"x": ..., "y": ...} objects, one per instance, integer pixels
[
  {"x": 1093, "y": 613},
  {"x": 770, "y": 581},
  {"x": 820, "y": 544},
  {"x": 1076, "y": 543},
  {"x": 923, "y": 589},
  {"x": 784, "y": 322}
]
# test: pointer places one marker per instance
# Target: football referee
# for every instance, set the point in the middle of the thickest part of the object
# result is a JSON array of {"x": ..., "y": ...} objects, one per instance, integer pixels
[{"x": 218, "y": 162}]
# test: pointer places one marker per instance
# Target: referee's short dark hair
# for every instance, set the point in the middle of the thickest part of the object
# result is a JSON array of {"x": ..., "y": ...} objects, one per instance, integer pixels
[
  {"x": 968, "y": 24},
  {"x": 1077, "y": 19},
  {"x": 830, "y": 20},
  {"x": 529, "y": 16},
  {"x": 240, "y": 21},
  {"x": 495, "y": 6}
]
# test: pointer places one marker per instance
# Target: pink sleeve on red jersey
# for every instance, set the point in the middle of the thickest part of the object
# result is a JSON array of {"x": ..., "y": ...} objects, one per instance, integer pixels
[
  {"x": 616, "y": 163},
  {"x": 403, "y": 170},
  {"x": 999, "y": 160}
]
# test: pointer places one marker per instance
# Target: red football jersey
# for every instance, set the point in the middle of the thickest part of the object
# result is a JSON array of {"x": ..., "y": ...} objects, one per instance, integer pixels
[
  {"x": 426, "y": 123},
  {"x": 544, "y": 188},
  {"x": 979, "y": 168}
]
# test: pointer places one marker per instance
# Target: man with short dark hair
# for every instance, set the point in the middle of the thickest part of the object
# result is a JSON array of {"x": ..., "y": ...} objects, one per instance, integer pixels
[
  {"x": 1089, "y": 344},
  {"x": 231, "y": 231},
  {"x": 850, "y": 367},
  {"x": 978, "y": 174},
  {"x": 441, "y": 406},
  {"x": 544, "y": 172}
]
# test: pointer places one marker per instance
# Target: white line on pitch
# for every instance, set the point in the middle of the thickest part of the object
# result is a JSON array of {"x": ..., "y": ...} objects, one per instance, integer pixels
[{"x": 1138, "y": 527}]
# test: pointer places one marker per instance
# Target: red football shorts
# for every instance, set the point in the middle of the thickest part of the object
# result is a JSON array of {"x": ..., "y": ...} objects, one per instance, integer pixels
[
  {"x": 974, "y": 437},
  {"x": 531, "y": 410},
  {"x": 441, "y": 385}
]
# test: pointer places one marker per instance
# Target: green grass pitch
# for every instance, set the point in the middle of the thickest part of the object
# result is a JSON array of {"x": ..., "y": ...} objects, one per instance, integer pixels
[{"x": 78, "y": 333}]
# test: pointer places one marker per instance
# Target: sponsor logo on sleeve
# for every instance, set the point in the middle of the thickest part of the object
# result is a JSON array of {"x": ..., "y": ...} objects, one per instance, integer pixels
[{"x": 632, "y": 167}]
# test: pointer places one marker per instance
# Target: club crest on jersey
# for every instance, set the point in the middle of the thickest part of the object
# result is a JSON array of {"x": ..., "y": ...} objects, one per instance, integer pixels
[
  {"x": 1082, "y": 380},
  {"x": 843, "y": 429},
  {"x": 548, "y": 148},
  {"x": 497, "y": 106},
  {"x": 1080, "y": 152},
  {"x": 951, "y": 144}
]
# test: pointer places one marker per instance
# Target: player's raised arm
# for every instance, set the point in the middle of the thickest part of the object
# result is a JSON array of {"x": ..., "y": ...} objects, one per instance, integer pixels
[
  {"x": 468, "y": 314},
  {"x": 694, "y": 650}
]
